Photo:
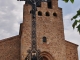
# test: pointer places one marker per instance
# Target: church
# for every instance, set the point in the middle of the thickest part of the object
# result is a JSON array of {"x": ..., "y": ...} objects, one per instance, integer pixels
[{"x": 50, "y": 38}]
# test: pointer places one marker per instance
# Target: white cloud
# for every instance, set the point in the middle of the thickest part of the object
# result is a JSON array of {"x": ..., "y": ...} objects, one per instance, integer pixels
[
  {"x": 69, "y": 10},
  {"x": 16, "y": 27},
  {"x": 70, "y": 34},
  {"x": 11, "y": 15},
  {"x": 4, "y": 33}
]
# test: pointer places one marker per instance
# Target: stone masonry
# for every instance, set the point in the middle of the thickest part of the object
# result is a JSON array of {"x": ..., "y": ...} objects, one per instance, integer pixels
[{"x": 50, "y": 25}]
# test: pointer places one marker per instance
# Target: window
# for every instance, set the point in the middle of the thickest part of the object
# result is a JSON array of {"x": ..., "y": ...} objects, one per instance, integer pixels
[
  {"x": 49, "y": 4},
  {"x": 54, "y": 14},
  {"x": 44, "y": 39},
  {"x": 47, "y": 14},
  {"x": 39, "y": 13}
]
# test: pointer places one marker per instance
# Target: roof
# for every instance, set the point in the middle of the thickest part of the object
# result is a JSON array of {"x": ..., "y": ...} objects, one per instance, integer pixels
[
  {"x": 10, "y": 38},
  {"x": 71, "y": 43}
]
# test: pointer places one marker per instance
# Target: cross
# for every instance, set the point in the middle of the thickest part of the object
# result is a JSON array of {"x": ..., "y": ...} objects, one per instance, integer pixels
[
  {"x": 34, "y": 4},
  {"x": 33, "y": 54}
]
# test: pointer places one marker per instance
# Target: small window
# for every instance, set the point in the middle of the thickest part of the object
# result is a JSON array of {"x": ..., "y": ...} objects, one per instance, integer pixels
[
  {"x": 44, "y": 39},
  {"x": 47, "y": 14},
  {"x": 39, "y": 13},
  {"x": 49, "y": 4},
  {"x": 54, "y": 14}
]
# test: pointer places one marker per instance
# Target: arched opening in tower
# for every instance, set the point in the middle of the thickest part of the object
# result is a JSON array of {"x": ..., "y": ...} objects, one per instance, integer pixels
[
  {"x": 49, "y": 4},
  {"x": 44, "y": 39},
  {"x": 39, "y": 13},
  {"x": 47, "y": 14},
  {"x": 54, "y": 14}
]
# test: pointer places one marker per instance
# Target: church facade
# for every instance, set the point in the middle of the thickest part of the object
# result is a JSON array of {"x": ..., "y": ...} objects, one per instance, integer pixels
[{"x": 49, "y": 35}]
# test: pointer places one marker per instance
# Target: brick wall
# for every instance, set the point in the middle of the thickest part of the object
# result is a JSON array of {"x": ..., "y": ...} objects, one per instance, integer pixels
[
  {"x": 48, "y": 26},
  {"x": 26, "y": 32},
  {"x": 10, "y": 48},
  {"x": 52, "y": 28},
  {"x": 71, "y": 51}
]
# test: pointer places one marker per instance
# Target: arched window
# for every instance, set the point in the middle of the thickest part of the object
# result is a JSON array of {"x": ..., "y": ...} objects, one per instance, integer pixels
[
  {"x": 49, "y": 4},
  {"x": 47, "y": 14},
  {"x": 54, "y": 14},
  {"x": 39, "y": 13},
  {"x": 44, "y": 39}
]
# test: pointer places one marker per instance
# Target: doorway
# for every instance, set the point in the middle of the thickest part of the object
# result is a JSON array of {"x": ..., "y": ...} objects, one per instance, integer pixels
[{"x": 45, "y": 58}]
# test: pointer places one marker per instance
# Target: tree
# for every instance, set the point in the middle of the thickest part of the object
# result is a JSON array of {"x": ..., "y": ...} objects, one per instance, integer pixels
[{"x": 76, "y": 23}]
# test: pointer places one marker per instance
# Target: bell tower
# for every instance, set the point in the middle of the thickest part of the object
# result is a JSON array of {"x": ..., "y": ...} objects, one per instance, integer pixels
[{"x": 49, "y": 31}]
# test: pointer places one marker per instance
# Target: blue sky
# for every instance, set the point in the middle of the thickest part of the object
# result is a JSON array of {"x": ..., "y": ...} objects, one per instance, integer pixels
[
  {"x": 11, "y": 15},
  {"x": 69, "y": 10}
]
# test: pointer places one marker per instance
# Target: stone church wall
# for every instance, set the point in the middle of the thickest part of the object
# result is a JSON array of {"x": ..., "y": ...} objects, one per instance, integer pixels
[
  {"x": 49, "y": 26},
  {"x": 26, "y": 31},
  {"x": 10, "y": 48},
  {"x": 71, "y": 51}
]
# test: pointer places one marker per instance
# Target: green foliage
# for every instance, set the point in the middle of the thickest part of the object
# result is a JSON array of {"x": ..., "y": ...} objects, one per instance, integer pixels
[
  {"x": 72, "y": 1},
  {"x": 78, "y": 27},
  {"x": 77, "y": 15},
  {"x": 78, "y": 12},
  {"x": 74, "y": 17},
  {"x": 76, "y": 23},
  {"x": 66, "y": 1}
]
